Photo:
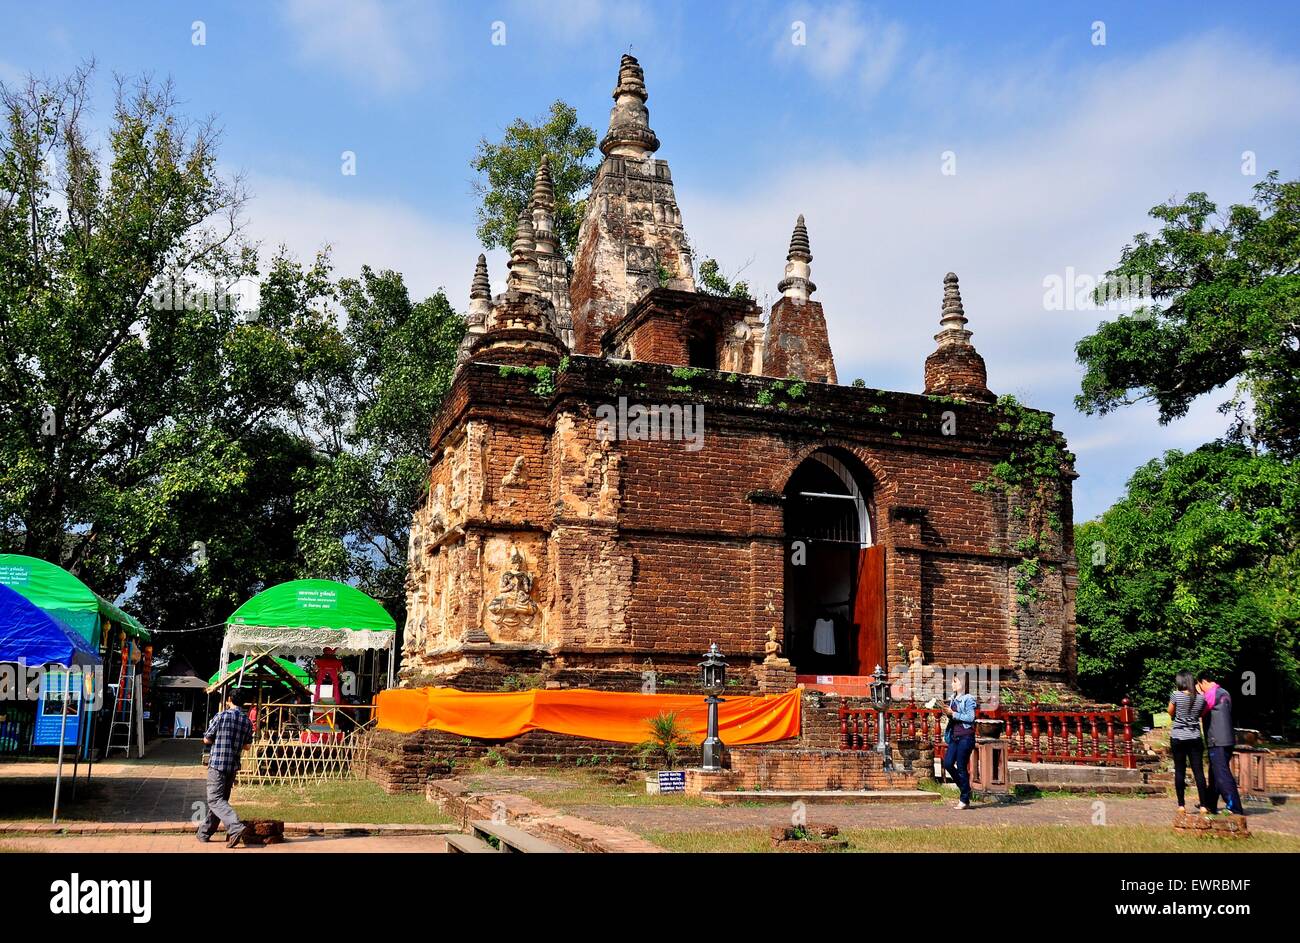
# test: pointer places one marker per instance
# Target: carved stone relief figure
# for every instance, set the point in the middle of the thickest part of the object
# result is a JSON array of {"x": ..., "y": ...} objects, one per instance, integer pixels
[{"x": 513, "y": 611}]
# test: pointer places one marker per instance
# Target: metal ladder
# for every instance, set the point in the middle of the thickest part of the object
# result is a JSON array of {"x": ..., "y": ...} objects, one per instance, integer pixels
[{"x": 122, "y": 728}]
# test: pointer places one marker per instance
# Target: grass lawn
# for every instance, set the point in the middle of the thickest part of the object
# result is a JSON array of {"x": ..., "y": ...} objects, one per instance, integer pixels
[
  {"x": 569, "y": 788},
  {"x": 1049, "y": 838},
  {"x": 348, "y": 800}
]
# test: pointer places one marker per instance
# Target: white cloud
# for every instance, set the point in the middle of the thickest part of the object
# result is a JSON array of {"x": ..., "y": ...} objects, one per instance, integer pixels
[
  {"x": 1069, "y": 188},
  {"x": 430, "y": 253},
  {"x": 371, "y": 42},
  {"x": 842, "y": 42}
]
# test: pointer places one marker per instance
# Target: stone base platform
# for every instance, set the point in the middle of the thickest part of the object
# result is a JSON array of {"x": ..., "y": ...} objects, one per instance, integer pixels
[{"x": 784, "y": 770}]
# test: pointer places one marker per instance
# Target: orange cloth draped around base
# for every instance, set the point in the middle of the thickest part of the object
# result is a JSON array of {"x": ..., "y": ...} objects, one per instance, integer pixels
[{"x": 601, "y": 715}]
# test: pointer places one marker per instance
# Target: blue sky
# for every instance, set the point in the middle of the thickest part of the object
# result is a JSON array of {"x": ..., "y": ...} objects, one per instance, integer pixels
[{"x": 1060, "y": 144}]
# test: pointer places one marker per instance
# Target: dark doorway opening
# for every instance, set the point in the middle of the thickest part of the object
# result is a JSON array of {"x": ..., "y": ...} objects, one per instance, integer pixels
[
  {"x": 834, "y": 576},
  {"x": 702, "y": 350}
]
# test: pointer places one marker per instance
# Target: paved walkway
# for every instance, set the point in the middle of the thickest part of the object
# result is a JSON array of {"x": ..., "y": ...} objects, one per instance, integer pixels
[
  {"x": 173, "y": 844},
  {"x": 1053, "y": 811},
  {"x": 162, "y": 787}
]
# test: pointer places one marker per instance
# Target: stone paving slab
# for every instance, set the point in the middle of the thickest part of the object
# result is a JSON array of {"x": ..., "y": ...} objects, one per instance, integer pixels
[{"x": 1054, "y": 811}]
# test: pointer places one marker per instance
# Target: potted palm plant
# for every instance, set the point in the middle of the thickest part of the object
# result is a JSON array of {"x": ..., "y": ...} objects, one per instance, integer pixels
[{"x": 667, "y": 742}]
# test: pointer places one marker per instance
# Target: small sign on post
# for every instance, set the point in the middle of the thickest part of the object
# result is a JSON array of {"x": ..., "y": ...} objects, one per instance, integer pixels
[{"x": 672, "y": 780}]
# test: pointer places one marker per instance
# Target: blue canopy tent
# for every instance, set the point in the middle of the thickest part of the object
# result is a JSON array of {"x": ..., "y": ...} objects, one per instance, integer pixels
[
  {"x": 33, "y": 638},
  {"x": 30, "y": 635}
]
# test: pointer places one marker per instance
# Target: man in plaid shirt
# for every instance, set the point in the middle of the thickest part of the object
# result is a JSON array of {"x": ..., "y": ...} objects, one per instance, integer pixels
[{"x": 227, "y": 736}]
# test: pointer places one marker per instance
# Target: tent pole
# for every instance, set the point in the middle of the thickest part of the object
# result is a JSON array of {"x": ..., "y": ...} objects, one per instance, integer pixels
[
  {"x": 94, "y": 727},
  {"x": 63, "y": 733},
  {"x": 81, "y": 729}
]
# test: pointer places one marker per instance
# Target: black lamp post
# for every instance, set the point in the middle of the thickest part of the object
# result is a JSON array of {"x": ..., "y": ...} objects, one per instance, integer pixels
[
  {"x": 880, "y": 700},
  {"x": 713, "y": 677}
]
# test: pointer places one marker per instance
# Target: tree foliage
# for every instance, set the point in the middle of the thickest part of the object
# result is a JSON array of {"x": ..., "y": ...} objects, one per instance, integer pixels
[
  {"x": 164, "y": 437},
  {"x": 1196, "y": 567},
  {"x": 356, "y": 503},
  {"x": 1226, "y": 306},
  {"x": 507, "y": 169}
]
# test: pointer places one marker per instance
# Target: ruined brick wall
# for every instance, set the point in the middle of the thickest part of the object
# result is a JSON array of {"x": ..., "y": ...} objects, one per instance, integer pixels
[
  {"x": 813, "y": 770},
  {"x": 653, "y": 549},
  {"x": 797, "y": 343},
  {"x": 659, "y": 340},
  {"x": 957, "y": 371}
]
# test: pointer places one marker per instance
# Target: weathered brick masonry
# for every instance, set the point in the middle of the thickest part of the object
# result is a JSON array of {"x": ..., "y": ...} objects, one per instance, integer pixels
[{"x": 627, "y": 470}]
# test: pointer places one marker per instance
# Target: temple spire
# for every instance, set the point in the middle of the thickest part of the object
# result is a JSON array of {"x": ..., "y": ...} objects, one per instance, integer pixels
[
  {"x": 480, "y": 294},
  {"x": 629, "y": 132},
  {"x": 523, "y": 257},
  {"x": 796, "y": 285},
  {"x": 952, "y": 319},
  {"x": 542, "y": 208},
  {"x": 955, "y": 368},
  {"x": 543, "y": 187}
]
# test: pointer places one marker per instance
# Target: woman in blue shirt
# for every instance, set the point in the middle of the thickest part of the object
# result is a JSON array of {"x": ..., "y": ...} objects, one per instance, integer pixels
[{"x": 960, "y": 737}]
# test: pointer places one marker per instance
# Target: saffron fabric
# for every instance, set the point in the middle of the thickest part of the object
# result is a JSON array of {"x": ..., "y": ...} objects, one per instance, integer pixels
[{"x": 601, "y": 715}]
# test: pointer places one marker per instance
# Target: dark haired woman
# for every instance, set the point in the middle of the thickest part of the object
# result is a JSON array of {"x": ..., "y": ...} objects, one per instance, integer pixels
[{"x": 1185, "y": 707}]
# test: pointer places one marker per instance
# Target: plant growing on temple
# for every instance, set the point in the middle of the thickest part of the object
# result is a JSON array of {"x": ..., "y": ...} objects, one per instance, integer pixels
[
  {"x": 1225, "y": 307},
  {"x": 713, "y": 281},
  {"x": 1030, "y": 477},
  {"x": 506, "y": 169},
  {"x": 668, "y": 739},
  {"x": 1197, "y": 566}
]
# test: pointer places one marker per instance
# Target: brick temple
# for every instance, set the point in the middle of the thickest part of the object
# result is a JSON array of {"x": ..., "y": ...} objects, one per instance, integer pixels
[{"x": 628, "y": 469}]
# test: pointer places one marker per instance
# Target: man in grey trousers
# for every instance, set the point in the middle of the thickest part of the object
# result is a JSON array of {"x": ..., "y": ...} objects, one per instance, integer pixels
[{"x": 227, "y": 736}]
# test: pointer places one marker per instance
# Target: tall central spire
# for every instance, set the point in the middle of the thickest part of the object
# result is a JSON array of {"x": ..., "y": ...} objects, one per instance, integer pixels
[
  {"x": 631, "y": 241},
  {"x": 629, "y": 132}
]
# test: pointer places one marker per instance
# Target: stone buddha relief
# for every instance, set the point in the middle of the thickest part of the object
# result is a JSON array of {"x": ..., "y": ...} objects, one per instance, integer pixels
[{"x": 512, "y": 610}]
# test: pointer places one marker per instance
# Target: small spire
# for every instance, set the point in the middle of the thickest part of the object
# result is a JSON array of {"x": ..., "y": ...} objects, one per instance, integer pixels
[
  {"x": 799, "y": 248},
  {"x": 480, "y": 297},
  {"x": 542, "y": 210},
  {"x": 952, "y": 320},
  {"x": 481, "y": 287},
  {"x": 523, "y": 257},
  {"x": 629, "y": 132},
  {"x": 543, "y": 187},
  {"x": 796, "y": 285}
]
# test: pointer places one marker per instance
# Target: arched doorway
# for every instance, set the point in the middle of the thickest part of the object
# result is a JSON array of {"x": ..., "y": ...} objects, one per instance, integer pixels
[{"x": 834, "y": 570}]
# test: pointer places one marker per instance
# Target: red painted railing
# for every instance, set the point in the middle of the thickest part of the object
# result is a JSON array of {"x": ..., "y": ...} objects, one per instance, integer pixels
[{"x": 1098, "y": 737}]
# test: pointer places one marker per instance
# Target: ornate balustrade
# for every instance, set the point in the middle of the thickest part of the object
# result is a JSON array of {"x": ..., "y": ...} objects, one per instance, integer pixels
[{"x": 1097, "y": 737}]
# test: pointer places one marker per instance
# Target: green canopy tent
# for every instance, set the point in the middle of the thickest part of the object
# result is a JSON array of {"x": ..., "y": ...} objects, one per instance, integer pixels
[
  {"x": 298, "y": 673},
  {"x": 260, "y": 671},
  {"x": 58, "y": 592},
  {"x": 304, "y": 617}
]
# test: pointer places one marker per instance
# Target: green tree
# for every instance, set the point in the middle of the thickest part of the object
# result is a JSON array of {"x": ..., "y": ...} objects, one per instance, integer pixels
[
  {"x": 507, "y": 169},
  {"x": 373, "y": 441},
  {"x": 146, "y": 413},
  {"x": 1196, "y": 567},
  {"x": 1226, "y": 306}
]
